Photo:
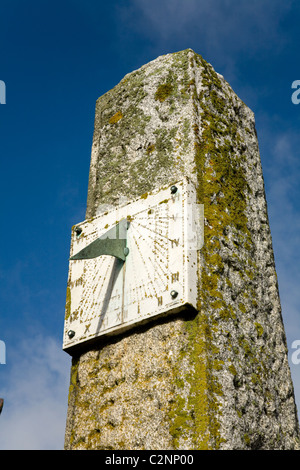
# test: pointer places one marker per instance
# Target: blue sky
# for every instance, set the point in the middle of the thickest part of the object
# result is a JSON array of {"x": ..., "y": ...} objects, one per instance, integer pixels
[{"x": 57, "y": 58}]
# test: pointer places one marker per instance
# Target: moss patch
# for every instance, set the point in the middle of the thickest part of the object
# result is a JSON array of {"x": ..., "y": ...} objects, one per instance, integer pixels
[
  {"x": 223, "y": 190},
  {"x": 68, "y": 303},
  {"x": 116, "y": 117},
  {"x": 163, "y": 92}
]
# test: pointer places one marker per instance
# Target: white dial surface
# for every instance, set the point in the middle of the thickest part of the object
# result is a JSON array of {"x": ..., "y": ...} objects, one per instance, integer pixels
[{"x": 107, "y": 295}]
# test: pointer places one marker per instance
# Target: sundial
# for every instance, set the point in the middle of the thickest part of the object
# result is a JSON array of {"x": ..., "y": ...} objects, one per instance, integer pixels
[{"x": 132, "y": 263}]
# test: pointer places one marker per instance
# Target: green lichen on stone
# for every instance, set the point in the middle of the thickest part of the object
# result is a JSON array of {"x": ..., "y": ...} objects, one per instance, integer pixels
[
  {"x": 150, "y": 149},
  {"x": 232, "y": 370},
  {"x": 116, "y": 117},
  {"x": 259, "y": 329},
  {"x": 73, "y": 378},
  {"x": 204, "y": 388},
  {"x": 68, "y": 303},
  {"x": 186, "y": 130},
  {"x": 242, "y": 307},
  {"x": 222, "y": 189},
  {"x": 164, "y": 145},
  {"x": 163, "y": 92}
]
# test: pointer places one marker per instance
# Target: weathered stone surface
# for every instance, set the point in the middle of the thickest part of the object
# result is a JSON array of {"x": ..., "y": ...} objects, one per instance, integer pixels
[{"x": 219, "y": 379}]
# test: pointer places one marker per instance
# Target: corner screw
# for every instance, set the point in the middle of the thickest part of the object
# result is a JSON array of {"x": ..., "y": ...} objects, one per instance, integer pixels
[
  {"x": 173, "y": 189},
  {"x": 173, "y": 294},
  {"x": 71, "y": 334},
  {"x": 78, "y": 231}
]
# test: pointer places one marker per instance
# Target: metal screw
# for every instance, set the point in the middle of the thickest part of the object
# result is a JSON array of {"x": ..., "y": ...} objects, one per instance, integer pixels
[
  {"x": 78, "y": 231},
  {"x": 71, "y": 333},
  {"x": 173, "y": 189},
  {"x": 126, "y": 251},
  {"x": 173, "y": 294}
]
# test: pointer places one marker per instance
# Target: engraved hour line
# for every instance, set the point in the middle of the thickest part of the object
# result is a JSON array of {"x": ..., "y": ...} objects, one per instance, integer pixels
[
  {"x": 160, "y": 236},
  {"x": 151, "y": 261},
  {"x": 164, "y": 220},
  {"x": 154, "y": 235},
  {"x": 81, "y": 303},
  {"x": 158, "y": 241},
  {"x": 142, "y": 286},
  {"x": 146, "y": 268},
  {"x": 138, "y": 287},
  {"x": 137, "y": 281},
  {"x": 150, "y": 215},
  {"x": 123, "y": 293},
  {"x": 158, "y": 268},
  {"x": 184, "y": 255},
  {"x": 93, "y": 282},
  {"x": 162, "y": 253},
  {"x": 86, "y": 302}
]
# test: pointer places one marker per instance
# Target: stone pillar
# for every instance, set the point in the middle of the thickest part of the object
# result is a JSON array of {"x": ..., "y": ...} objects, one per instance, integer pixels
[{"x": 217, "y": 379}]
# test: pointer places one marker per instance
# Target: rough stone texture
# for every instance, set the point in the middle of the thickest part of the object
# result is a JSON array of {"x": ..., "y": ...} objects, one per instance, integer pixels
[{"x": 219, "y": 379}]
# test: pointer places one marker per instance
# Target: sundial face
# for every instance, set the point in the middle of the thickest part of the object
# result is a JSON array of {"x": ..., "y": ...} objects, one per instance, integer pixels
[{"x": 161, "y": 233}]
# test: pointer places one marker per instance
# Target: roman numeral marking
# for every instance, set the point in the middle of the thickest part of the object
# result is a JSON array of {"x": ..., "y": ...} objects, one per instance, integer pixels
[{"x": 174, "y": 242}]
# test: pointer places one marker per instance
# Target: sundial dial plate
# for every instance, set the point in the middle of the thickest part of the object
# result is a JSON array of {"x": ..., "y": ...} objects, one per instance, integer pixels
[{"x": 107, "y": 295}]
